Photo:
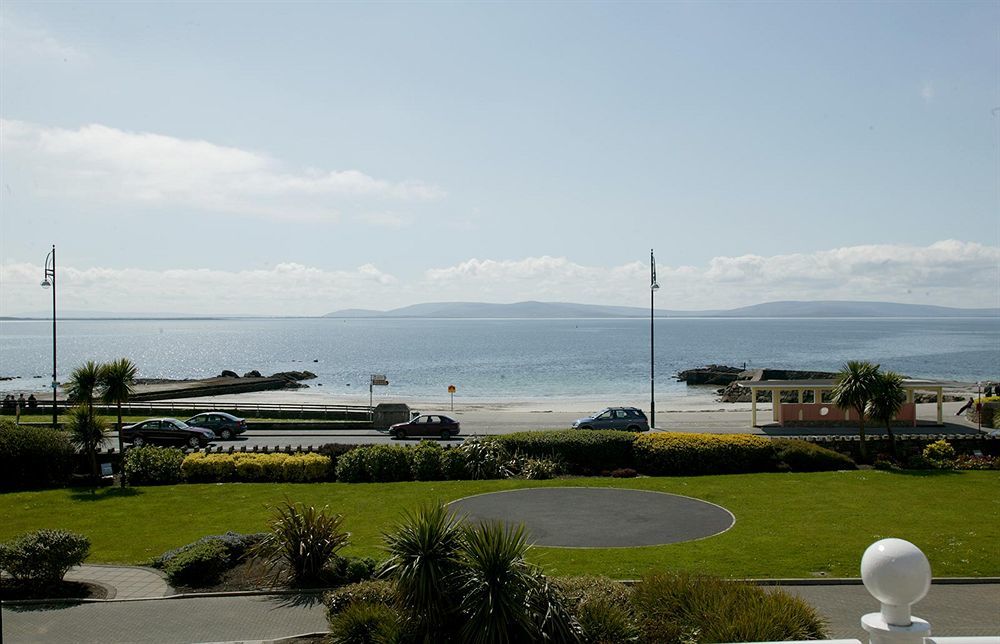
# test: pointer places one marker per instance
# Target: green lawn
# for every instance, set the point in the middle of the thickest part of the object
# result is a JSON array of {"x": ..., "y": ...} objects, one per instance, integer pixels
[{"x": 787, "y": 525}]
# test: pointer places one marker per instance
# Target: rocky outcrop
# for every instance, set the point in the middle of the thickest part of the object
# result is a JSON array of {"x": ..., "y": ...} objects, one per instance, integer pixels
[
  {"x": 226, "y": 373},
  {"x": 252, "y": 374},
  {"x": 713, "y": 374},
  {"x": 292, "y": 378}
]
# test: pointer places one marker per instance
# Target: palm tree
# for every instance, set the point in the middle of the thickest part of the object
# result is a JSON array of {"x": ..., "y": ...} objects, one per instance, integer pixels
[
  {"x": 854, "y": 388},
  {"x": 86, "y": 433},
  {"x": 423, "y": 560},
  {"x": 118, "y": 380},
  {"x": 886, "y": 401},
  {"x": 83, "y": 384}
]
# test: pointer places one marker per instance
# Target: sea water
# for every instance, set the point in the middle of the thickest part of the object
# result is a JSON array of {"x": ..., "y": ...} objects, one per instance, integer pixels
[{"x": 499, "y": 359}]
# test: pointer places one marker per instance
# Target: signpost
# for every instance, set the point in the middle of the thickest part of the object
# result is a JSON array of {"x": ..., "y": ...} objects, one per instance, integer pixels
[
  {"x": 451, "y": 390},
  {"x": 377, "y": 379}
]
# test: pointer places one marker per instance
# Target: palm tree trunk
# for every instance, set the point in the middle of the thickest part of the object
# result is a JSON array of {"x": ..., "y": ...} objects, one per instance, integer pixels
[
  {"x": 121, "y": 449},
  {"x": 892, "y": 438},
  {"x": 861, "y": 432}
]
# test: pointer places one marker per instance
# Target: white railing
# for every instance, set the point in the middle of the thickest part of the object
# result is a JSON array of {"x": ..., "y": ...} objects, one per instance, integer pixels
[{"x": 898, "y": 575}]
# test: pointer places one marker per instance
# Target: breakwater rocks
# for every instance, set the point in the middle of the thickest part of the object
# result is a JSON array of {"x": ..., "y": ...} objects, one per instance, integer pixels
[
  {"x": 729, "y": 376},
  {"x": 231, "y": 383}
]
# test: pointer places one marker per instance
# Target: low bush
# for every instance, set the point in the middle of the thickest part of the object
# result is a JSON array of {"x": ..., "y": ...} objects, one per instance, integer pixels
[
  {"x": 251, "y": 467},
  {"x": 803, "y": 456},
  {"x": 303, "y": 538},
  {"x": 537, "y": 469},
  {"x": 40, "y": 559},
  {"x": 351, "y": 467},
  {"x": 678, "y": 607},
  {"x": 334, "y": 451},
  {"x": 485, "y": 458},
  {"x": 33, "y": 457},
  {"x": 148, "y": 465},
  {"x": 373, "y": 591},
  {"x": 365, "y": 623},
  {"x": 693, "y": 454},
  {"x": 624, "y": 473},
  {"x": 200, "y": 565},
  {"x": 237, "y": 545},
  {"x": 969, "y": 462},
  {"x": 426, "y": 461},
  {"x": 602, "y": 607},
  {"x": 453, "y": 464},
  {"x": 940, "y": 453},
  {"x": 582, "y": 451}
]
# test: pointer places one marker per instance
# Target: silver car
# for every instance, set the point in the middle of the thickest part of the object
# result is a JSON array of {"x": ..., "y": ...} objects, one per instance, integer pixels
[{"x": 629, "y": 419}]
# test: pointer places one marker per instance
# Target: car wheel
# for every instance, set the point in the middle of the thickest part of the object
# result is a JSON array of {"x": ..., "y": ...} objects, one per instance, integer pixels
[
  {"x": 226, "y": 434},
  {"x": 445, "y": 434},
  {"x": 138, "y": 441},
  {"x": 194, "y": 442},
  {"x": 400, "y": 434}
]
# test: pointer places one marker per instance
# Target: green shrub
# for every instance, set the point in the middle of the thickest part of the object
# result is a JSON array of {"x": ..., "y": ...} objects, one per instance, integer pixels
[
  {"x": 803, "y": 456},
  {"x": 583, "y": 451},
  {"x": 624, "y": 473},
  {"x": 485, "y": 458},
  {"x": 351, "y": 467},
  {"x": 150, "y": 465},
  {"x": 691, "y": 454},
  {"x": 538, "y": 469},
  {"x": 200, "y": 565},
  {"x": 373, "y": 591},
  {"x": 453, "y": 465},
  {"x": 237, "y": 545},
  {"x": 33, "y": 457},
  {"x": 40, "y": 559},
  {"x": 426, "y": 461},
  {"x": 940, "y": 452},
  {"x": 387, "y": 463},
  {"x": 679, "y": 607},
  {"x": 364, "y": 623},
  {"x": 305, "y": 539},
  {"x": 334, "y": 451},
  {"x": 602, "y": 607}
]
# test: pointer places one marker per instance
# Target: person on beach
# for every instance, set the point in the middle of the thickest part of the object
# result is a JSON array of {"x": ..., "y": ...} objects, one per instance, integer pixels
[
  {"x": 22, "y": 403},
  {"x": 8, "y": 402},
  {"x": 32, "y": 401},
  {"x": 967, "y": 406}
]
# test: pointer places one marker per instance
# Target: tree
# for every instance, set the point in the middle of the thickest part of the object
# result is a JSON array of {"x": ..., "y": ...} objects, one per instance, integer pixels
[
  {"x": 86, "y": 433},
  {"x": 117, "y": 378},
  {"x": 888, "y": 396},
  {"x": 83, "y": 385},
  {"x": 854, "y": 388}
]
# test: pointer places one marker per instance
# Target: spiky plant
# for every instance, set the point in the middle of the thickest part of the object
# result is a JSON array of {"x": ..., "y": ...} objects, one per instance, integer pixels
[
  {"x": 303, "y": 538},
  {"x": 86, "y": 433},
  {"x": 504, "y": 598},
  {"x": 117, "y": 379},
  {"x": 423, "y": 560},
  {"x": 887, "y": 399},
  {"x": 854, "y": 388},
  {"x": 83, "y": 384}
]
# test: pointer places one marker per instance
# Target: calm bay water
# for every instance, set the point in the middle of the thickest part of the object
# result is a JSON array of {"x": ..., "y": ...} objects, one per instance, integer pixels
[{"x": 500, "y": 359}]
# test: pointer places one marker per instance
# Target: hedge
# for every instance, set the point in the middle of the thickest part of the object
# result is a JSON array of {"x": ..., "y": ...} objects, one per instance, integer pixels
[
  {"x": 250, "y": 467},
  {"x": 33, "y": 457},
  {"x": 582, "y": 451},
  {"x": 39, "y": 559},
  {"x": 692, "y": 454},
  {"x": 149, "y": 465}
]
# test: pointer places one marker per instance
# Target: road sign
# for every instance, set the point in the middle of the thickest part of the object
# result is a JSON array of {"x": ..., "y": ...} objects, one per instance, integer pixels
[
  {"x": 379, "y": 379},
  {"x": 451, "y": 389}
]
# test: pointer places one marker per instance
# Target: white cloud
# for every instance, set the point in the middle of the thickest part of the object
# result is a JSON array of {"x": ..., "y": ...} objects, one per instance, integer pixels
[
  {"x": 21, "y": 42},
  {"x": 104, "y": 164},
  {"x": 951, "y": 273},
  {"x": 927, "y": 91}
]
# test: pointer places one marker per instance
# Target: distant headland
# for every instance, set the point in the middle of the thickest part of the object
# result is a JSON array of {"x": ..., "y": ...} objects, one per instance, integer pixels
[{"x": 787, "y": 309}]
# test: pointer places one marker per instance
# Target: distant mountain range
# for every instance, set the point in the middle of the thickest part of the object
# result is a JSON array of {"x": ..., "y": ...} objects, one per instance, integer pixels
[{"x": 788, "y": 309}]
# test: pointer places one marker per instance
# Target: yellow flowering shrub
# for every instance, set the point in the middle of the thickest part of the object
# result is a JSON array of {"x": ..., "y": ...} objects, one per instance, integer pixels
[
  {"x": 673, "y": 454},
  {"x": 253, "y": 467}
]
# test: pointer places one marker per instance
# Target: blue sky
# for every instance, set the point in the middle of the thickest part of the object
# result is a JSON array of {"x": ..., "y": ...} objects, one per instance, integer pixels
[{"x": 302, "y": 158}]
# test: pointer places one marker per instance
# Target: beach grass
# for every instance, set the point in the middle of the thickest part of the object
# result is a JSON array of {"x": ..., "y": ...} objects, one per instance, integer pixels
[{"x": 787, "y": 525}]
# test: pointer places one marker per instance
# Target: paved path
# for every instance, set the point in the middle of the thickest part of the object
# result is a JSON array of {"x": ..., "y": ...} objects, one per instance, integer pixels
[
  {"x": 952, "y": 610},
  {"x": 124, "y": 582}
]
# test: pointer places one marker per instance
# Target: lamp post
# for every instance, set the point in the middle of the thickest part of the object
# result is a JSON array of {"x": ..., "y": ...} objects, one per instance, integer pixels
[
  {"x": 653, "y": 286},
  {"x": 979, "y": 403},
  {"x": 50, "y": 280}
]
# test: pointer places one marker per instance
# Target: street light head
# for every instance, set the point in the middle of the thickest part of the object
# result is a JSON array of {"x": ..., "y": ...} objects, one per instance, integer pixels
[
  {"x": 46, "y": 283},
  {"x": 654, "y": 286}
]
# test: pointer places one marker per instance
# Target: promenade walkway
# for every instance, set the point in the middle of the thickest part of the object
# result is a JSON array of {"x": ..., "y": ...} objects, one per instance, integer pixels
[{"x": 952, "y": 609}]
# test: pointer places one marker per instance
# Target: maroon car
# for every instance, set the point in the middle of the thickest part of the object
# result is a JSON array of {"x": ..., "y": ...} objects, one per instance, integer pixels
[{"x": 427, "y": 425}]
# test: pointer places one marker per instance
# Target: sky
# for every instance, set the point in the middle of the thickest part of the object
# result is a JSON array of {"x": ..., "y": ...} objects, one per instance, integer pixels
[{"x": 301, "y": 158}]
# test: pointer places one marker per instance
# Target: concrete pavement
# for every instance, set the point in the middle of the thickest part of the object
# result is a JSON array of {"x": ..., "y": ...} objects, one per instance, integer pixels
[
  {"x": 124, "y": 582},
  {"x": 952, "y": 610}
]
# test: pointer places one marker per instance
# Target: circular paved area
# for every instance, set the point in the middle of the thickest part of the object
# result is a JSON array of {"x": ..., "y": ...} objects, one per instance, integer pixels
[{"x": 598, "y": 517}]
